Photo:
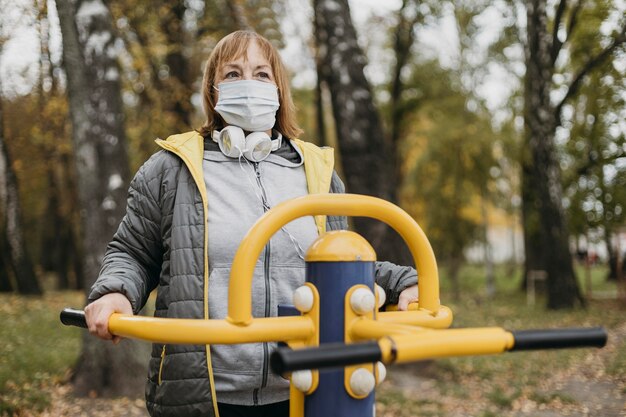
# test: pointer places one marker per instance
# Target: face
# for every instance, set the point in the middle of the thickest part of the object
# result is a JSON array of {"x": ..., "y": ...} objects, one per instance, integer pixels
[{"x": 254, "y": 67}]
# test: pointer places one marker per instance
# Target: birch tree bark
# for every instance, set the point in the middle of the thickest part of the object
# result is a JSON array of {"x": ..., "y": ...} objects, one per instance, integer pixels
[
  {"x": 90, "y": 50},
  {"x": 366, "y": 156}
]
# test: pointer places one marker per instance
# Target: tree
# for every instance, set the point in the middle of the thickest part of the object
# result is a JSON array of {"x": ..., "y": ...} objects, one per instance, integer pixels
[
  {"x": 449, "y": 151},
  {"x": 90, "y": 49},
  {"x": 595, "y": 177},
  {"x": 367, "y": 158},
  {"x": 546, "y": 236},
  {"x": 442, "y": 129},
  {"x": 11, "y": 229},
  {"x": 59, "y": 250},
  {"x": 412, "y": 14}
]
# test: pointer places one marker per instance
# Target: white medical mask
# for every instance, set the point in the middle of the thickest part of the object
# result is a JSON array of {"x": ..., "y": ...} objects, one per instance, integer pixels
[{"x": 249, "y": 104}]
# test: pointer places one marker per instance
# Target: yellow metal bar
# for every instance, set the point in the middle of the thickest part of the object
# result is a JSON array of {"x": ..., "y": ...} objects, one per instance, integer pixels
[
  {"x": 240, "y": 289},
  {"x": 367, "y": 329},
  {"x": 203, "y": 332},
  {"x": 296, "y": 401},
  {"x": 423, "y": 318},
  {"x": 444, "y": 343},
  {"x": 351, "y": 317}
]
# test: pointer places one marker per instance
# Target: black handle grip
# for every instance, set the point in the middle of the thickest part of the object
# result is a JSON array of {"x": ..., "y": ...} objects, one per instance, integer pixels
[
  {"x": 325, "y": 356},
  {"x": 72, "y": 317},
  {"x": 559, "y": 338}
]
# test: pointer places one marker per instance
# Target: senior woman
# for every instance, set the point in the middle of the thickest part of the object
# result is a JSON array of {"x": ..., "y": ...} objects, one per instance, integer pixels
[{"x": 189, "y": 207}]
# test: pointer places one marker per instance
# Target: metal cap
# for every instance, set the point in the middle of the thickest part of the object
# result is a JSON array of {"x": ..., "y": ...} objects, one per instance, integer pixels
[{"x": 340, "y": 245}]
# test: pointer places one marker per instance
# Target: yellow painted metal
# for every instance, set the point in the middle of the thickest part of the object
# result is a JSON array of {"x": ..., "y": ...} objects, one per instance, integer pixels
[
  {"x": 240, "y": 290},
  {"x": 366, "y": 329},
  {"x": 423, "y": 318},
  {"x": 296, "y": 402},
  {"x": 388, "y": 350},
  {"x": 340, "y": 245},
  {"x": 414, "y": 305},
  {"x": 433, "y": 344},
  {"x": 350, "y": 317},
  {"x": 202, "y": 332},
  {"x": 314, "y": 316}
]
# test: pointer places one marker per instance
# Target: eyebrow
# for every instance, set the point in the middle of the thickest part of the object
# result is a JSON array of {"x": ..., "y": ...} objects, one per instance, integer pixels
[{"x": 237, "y": 66}]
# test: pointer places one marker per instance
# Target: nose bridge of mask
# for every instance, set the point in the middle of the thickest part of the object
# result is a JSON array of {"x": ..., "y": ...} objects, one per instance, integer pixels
[{"x": 249, "y": 88}]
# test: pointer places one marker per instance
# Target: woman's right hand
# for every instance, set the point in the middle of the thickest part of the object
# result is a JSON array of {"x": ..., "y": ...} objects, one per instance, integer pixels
[{"x": 97, "y": 314}]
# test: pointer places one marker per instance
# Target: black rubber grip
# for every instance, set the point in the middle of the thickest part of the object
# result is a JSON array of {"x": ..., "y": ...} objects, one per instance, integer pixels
[
  {"x": 559, "y": 338},
  {"x": 328, "y": 355},
  {"x": 72, "y": 317}
]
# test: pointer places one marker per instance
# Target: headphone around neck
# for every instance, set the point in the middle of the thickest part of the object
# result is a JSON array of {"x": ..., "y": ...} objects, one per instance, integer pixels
[{"x": 255, "y": 147}]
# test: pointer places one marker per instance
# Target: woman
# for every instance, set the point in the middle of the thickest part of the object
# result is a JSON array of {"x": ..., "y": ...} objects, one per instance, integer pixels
[{"x": 190, "y": 205}]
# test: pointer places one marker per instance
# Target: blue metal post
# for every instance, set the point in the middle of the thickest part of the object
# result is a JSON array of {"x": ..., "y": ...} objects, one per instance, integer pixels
[{"x": 333, "y": 279}]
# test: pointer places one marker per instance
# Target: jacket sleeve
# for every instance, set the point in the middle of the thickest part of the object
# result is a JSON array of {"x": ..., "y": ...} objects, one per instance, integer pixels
[
  {"x": 133, "y": 259},
  {"x": 391, "y": 277}
]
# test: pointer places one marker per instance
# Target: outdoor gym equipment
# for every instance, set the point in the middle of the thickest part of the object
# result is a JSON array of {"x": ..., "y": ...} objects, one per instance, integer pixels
[{"x": 335, "y": 321}]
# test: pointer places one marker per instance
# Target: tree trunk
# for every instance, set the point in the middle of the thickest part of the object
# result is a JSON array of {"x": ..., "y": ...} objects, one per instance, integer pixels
[
  {"x": 367, "y": 159},
  {"x": 490, "y": 279},
  {"x": 11, "y": 223},
  {"x": 404, "y": 38},
  {"x": 319, "y": 109},
  {"x": 546, "y": 236},
  {"x": 56, "y": 245},
  {"x": 89, "y": 57},
  {"x": 74, "y": 249},
  {"x": 454, "y": 265},
  {"x": 237, "y": 15},
  {"x": 178, "y": 83},
  {"x": 5, "y": 279},
  {"x": 52, "y": 243}
]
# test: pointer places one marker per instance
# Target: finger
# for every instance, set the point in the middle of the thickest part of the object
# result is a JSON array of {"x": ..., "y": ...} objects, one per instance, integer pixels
[
  {"x": 102, "y": 329},
  {"x": 91, "y": 324},
  {"x": 403, "y": 303}
]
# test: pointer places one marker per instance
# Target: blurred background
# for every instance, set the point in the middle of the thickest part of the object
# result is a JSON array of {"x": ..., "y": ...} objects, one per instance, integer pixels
[{"x": 498, "y": 125}]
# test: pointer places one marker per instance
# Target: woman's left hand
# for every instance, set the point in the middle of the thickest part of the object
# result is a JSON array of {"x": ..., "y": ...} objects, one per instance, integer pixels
[{"x": 407, "y": 296}]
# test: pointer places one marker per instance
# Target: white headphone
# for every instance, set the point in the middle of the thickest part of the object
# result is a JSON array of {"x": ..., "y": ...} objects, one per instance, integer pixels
[{"x": 255, "y": 147}]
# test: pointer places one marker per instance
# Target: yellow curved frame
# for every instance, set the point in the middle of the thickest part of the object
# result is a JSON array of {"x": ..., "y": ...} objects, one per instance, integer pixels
[
  {"x": 240, "y": 289},
  {"x": 240, "y": 327}
]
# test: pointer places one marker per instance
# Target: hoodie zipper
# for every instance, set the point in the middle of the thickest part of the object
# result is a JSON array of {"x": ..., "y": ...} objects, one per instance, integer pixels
[{"x": 266, "y": 276}]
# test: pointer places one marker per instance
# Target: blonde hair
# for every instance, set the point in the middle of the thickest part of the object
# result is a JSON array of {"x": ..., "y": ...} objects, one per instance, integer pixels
[{"x": 232, "y": 47}]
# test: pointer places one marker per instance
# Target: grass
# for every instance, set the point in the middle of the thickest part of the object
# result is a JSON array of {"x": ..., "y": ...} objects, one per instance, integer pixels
[
  {"x": 617, "y": 366},
  {"x": 393, "y": 403},
  {"x": 543, "y": 398},
  {"x": 36, "y": 350}
]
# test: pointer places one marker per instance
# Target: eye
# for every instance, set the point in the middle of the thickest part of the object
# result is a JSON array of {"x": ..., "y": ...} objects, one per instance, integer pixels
[
  {"x": 264, "y": 75},
  {"x": 232, "y": 74}
]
